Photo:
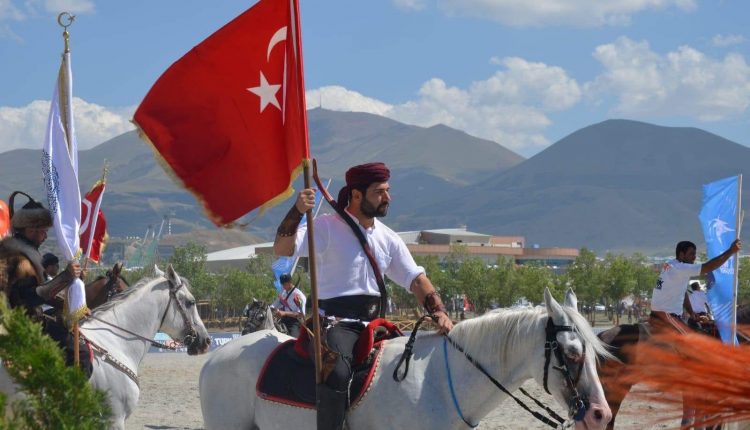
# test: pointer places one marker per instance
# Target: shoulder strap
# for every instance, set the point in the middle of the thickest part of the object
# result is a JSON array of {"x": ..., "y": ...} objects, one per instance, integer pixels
[{"x": 360, "y": 236}]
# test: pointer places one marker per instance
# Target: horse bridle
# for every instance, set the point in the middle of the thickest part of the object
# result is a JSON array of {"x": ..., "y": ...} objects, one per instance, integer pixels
[
  {"x": 110, "y": 286},
  {"x": 189, "y": 339},
  {"x": 579, "y": 403},
  {"x": 192, "y": 335},
  {"x": 257, "y": 316}
]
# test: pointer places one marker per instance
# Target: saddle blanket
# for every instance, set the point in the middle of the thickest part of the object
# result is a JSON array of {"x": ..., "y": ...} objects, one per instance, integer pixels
[{"x": 289, "y": 379}]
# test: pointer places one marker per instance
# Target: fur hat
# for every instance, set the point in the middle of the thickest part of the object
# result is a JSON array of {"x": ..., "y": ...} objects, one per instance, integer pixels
[{"x": 32, "y": 214}]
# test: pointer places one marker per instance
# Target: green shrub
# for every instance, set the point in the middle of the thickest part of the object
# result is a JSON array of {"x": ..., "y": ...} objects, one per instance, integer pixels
[{"x": 56, "y": 396}]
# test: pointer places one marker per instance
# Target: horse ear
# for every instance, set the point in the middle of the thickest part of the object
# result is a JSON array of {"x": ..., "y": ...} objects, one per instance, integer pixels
[
  {"x": 157, "y": 271},
  {"x": 173, "y": 277},
  {"x": 554, "y": 309},
  {"x": 571, "y": 300}
]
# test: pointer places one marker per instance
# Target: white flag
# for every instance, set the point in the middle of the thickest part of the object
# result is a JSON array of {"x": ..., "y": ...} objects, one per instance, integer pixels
[{"x": 60, "y": 165}]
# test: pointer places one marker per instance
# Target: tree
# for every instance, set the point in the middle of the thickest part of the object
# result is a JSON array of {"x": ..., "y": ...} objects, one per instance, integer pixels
[
  {"x": 587, "y": 277},
  {"x": 503, "y": 281},
  {"x": 189, "y": 261},
  {"x": 56, "y": 396}
]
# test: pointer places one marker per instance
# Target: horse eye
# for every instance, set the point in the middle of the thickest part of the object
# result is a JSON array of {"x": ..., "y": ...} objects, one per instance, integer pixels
[{"x": 190, "y": 303}]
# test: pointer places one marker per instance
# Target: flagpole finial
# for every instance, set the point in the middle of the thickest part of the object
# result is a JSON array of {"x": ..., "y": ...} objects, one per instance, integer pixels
[{"x": 65, "y": 20}]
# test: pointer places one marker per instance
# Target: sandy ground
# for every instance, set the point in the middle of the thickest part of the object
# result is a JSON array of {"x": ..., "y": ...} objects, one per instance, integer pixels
[{"x": 169, "y": 400}]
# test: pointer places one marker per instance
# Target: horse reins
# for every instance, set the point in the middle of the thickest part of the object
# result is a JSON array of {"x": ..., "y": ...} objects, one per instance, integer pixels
[
  {"x": 187, "y": 340},
  {"x": 578, "y": 403}
]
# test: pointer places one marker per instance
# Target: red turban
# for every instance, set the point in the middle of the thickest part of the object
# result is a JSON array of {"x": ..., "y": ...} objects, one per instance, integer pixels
[{"x": 364, "y": 175}]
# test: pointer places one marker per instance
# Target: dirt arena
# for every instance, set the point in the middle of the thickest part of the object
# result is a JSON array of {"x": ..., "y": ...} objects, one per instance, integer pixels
[{"x": 169, "y": 400}]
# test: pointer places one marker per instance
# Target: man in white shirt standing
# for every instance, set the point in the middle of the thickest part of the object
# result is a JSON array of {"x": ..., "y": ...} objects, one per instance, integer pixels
[
  {"x": 668, "y": 299},
  {"x": 347, "y": 288},
  {"x": 290, "y": 305}
]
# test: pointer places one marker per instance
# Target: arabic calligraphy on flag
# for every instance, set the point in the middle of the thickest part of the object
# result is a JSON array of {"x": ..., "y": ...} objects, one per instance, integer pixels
[{"x": 60, "y": 164}]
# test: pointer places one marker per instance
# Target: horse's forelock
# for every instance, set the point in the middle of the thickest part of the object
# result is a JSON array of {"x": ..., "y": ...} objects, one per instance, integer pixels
[{"x": 593, "y": 343}]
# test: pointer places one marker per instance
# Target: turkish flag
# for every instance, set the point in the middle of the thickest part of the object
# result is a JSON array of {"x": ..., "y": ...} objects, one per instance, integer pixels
[
  {"x": 93, "y": 229},
  {"x": 4, "y": 219},
  {"x": 229, "y": 118}
]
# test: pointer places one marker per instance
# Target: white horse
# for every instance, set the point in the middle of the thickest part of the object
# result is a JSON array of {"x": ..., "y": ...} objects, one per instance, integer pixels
[
  {"x": 120, "y": 332},
  {"x": 509, "y": 344}
]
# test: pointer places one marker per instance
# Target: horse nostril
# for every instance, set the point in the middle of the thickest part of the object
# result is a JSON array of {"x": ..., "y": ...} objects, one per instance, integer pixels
[{"x": 598, "y": 414}]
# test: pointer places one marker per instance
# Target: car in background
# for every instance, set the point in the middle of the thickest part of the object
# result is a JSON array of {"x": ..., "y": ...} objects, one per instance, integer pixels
[{"x": 599, "y": 307}]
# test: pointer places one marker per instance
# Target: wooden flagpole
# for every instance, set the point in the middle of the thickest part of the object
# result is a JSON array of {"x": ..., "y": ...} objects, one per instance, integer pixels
[
  {"x": 296, "y": 33},
  {"x": 63, "y": 104},
  {"x": 313, "y": 282}
]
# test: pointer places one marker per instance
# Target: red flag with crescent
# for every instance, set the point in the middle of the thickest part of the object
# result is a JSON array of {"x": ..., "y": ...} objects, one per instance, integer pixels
[
  {"x": 228, "y": 118},
  {"x": 93, "y": 228}
]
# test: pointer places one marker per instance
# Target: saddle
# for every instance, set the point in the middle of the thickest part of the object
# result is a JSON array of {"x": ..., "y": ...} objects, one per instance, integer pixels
[{"x": 288, "y": 375}]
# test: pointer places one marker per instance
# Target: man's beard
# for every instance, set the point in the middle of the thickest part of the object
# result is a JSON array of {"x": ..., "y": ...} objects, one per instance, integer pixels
[{"x": 371, "y": 211}]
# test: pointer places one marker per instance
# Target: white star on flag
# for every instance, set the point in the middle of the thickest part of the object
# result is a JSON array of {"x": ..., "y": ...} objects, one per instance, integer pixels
[{"x": 266, "y": 92}]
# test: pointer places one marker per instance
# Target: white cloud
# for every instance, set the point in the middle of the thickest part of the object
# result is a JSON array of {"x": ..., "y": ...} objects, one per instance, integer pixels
[
  {"x": 340, "y": 99},
  {"x": 722, "y": 40},
  {"x": 559, "y": 12},
  {"x": 31, "y": 9},
  {"x": 24, "y": 127},
  {"x": 8, "y": 11},
  {"x": 410, "y": 4},
  {"x": 72, "y": 6},
  {"x": 684, "y": 82},
  {"x": 510, "y": 107}
]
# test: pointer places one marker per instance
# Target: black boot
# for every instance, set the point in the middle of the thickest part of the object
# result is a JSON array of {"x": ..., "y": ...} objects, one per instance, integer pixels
[{"x": 331, "y": 406}]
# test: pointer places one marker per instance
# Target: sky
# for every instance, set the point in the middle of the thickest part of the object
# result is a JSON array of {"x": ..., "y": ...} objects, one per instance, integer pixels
[{"x": 521, "y": 73}]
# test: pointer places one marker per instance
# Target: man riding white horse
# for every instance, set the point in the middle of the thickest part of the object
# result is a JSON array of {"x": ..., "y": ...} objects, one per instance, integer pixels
[
  {"x": 22, "y": 277},
  {"x": 347, "y": 288}
]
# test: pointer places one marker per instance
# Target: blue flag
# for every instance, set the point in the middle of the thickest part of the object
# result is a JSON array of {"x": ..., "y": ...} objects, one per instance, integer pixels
[
  {"x": 719, "y": 220},
  {"x": 286, "y": 264}
]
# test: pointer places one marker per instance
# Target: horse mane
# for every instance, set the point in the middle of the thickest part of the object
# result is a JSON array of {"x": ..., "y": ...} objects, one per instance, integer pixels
[
  {"x": 704, "y": 373},
  {"x": 515, "y": 327},
  {"x": 121, "y": 297}
]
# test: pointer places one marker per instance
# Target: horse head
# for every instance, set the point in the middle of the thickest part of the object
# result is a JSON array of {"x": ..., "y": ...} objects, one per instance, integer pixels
[
  {"x": 569, "y": 370},
  {"x": 103, "y": 288},
  {"x": 181, "y": 319},
  {"x": 259, "y": 317}
]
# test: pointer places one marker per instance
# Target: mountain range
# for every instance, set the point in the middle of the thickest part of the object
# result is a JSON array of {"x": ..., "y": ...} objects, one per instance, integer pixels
[{"x": 618, "y": 185}]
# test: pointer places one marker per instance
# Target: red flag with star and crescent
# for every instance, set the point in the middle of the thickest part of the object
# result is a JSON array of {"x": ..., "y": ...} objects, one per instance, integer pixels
[
  {"x": 228, "y": 118},
  {"x": 93, "y": 229}
]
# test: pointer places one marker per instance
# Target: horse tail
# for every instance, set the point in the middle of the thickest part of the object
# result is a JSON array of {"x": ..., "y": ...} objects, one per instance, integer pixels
[{"x": 696, "y": 371}]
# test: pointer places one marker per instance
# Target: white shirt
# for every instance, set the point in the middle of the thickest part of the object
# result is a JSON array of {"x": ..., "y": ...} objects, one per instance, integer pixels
[
  {"x": 669, "y": 294},
  {"x": 698, "y": 300},
  {"x": 343, "y": 267},
  {"x": 291, "y": 301}
]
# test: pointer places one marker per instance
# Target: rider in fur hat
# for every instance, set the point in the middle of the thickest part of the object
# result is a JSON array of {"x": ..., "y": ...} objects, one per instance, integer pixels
[{"x": 22, "y": 276}]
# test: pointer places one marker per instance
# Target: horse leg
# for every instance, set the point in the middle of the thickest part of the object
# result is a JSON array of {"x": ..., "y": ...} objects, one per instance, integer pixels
[
  {"x": 615, "y": 398},
  {"x": 614, "y": 389}
]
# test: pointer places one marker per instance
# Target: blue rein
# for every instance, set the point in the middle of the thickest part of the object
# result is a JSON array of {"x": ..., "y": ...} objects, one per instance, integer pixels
[{"x": 450, "y": 385}]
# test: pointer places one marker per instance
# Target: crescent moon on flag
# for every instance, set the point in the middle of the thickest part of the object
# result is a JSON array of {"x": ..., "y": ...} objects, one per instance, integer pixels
[
  {"x": 86, "y": 221},
  {"x": 277, "y": 37}
]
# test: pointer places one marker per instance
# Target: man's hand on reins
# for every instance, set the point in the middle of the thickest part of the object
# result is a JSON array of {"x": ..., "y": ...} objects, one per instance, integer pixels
[{"x": 444, "y": 323}]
